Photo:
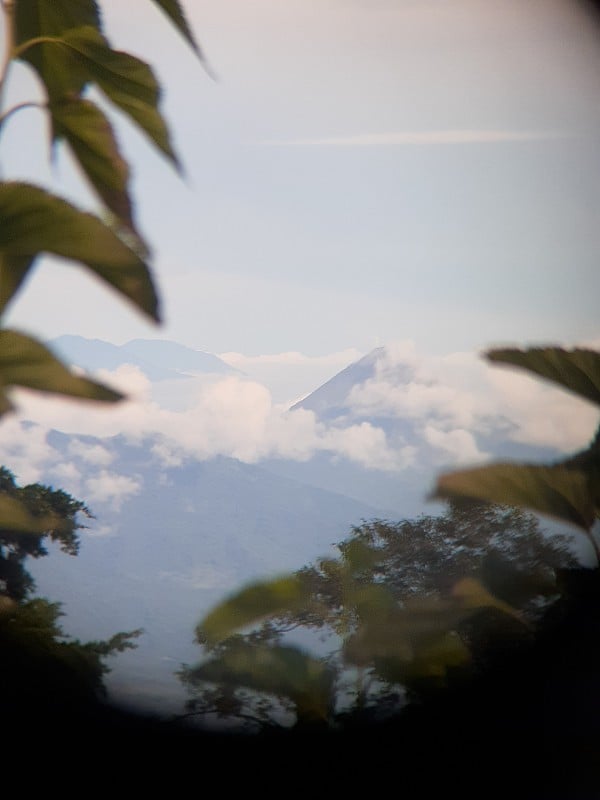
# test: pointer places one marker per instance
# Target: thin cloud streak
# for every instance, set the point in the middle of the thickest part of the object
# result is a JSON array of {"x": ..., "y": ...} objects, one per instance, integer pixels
[{"x": 420, "y": 138}]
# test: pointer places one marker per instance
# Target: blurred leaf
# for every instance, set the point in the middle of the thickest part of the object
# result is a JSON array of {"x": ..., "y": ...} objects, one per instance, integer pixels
[
  {"x": 7, "y": 606},
  {"x": 408, "y": 633},
  {"x": 32, "y": 221},
  {"x": 15, "y": 517},
  {"x": 174, "y": 11},
  {"x": 577, "y": 370},
  {"x": 514, "y": 585},
  {"x": 59, "y": 69},
  {"x": 127, "y": 82},
  {"x": 401, "y": 632},
  {"x": 13, "y": 270},
  {"x": 430, "y": 662},
  {"x": 554, "y": 490},
  {"x": 251, "y": 605},
  {"x": 473, "y": 594},
  {"x": 369, "y": 600},
  {"x": 91, "y": 138},
  {"x": 359, "y": 556},
  {"x": 280, "y": 670},
  {"x": 26, "y": 362}
]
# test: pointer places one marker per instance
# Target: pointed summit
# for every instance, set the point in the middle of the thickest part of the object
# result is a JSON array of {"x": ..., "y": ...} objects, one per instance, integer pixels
[{"x": 331, "y": 399}]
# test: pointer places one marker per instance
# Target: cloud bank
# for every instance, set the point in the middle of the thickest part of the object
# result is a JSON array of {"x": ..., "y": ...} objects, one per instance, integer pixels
[{"x": 449, "y": 403}]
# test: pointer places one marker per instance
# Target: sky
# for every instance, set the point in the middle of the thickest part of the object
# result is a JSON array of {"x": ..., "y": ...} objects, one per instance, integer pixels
[{"x": 356, "y": 173}]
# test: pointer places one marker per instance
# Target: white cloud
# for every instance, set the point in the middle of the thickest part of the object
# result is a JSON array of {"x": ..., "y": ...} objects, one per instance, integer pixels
[
  {"x": 462, "y": 392},
  {"x": 291, "y": 375},
  {"x": 110, "y": 486},
  {"x": 458, "y": 445},
  {"x": 419, "y": 138},
  {"x": 101, "y": 531},
  {"x": 448, "y": 400},
  {"x": 366, "y": 445},
  {"x": 25, "y": 450},
  {"x": 91, "y": 454}
]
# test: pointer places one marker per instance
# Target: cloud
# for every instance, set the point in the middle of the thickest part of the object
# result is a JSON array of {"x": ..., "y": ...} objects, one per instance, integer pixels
[
  {"x": 91, "y": 454},
  {"x": 96, "y": 531},
  {"x": 448, "y": 396},
  {"x": 233, "y": 416},
  {"x": 420, "y": 138},
  {"x": 291, "y": 375},
  {"x": 458, "y": 445},
  {"x": 412, "y": 404},
  {"x": 25, "y": 450},
  {"x": 110, "y": 486}
]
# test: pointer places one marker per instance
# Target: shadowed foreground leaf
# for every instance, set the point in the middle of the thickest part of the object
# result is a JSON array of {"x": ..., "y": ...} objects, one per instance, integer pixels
[
  {"x": 126, "y": 81},
  {"x": 13, "y": 270},
  {"x": 554, "y": 490},
  {"x": 59, "y": 69},
  {"x": 26, "y": 362},
  {"x": 173, "y": 9},
  {"x": 15, "y": 517},
  {"x": 284, "y": 671},
  {"x": 32, "y": 222},
  {"x": 91, "y": 138},
  {"x": 577, "y": 370},
  {"x": 252, "y": 605}
]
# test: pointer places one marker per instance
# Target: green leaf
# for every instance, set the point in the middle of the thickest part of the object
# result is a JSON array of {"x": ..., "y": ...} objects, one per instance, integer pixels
[
  {"x": 554, "y": 490},
  {"x": 251, "y": 605},
  {"x": 126, "y": 81},
  {"x": 281, "y": 670},
  {"x": 472, "y": 594},
  {"x": 13, "y": 270},
  {"x": 173, "y": 10},
  {"x": 26, "y": 362},
  {"x": 32, "y": 221},
  {"x": 58, "y": 68},
  {"x": 91, "y": 138},
  {"x": 430, "y": 663},
  {"x": 401, "y": 633},
  {"x": 577, "y": 370},
  {"x": 15, "y": 517},
  {"x": 359, "y": 556}
]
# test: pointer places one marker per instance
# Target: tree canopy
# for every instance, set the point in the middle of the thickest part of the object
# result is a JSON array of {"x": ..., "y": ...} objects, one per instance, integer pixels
[
  {"x": 404, "y": 608},
  {"x": 41, "y": 666}
]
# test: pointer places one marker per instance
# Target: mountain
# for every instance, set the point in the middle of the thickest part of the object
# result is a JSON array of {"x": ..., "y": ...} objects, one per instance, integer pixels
[
  {"x": 173, "y": 356},
  {"x": 331, "y": 399},
  {"x": 176, "y": 532},
  {"x": 169, "y": 542},
  {"x": 384, "y": 391},
  {"x": 159, "y": 360}
]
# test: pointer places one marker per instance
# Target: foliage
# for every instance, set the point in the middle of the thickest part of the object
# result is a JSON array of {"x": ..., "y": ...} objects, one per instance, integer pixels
[
  {"x": 404, "y": 608},
  {"x": 40, "y": 664},
  {"x": 65, "y": 44},
  {"x": 568, "y": 490},
  {"x": 53, "y": 514}
]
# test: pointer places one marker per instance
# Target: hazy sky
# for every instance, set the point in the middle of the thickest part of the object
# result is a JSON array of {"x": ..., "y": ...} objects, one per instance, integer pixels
[{"x": 360, "y": 172}]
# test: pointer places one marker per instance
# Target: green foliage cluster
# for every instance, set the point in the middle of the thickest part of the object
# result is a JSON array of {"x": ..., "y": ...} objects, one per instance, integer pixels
[
  {"x": 404, "y": 608},
  {"x": 409, "y": 604},
  {"x": 64, "y": 43},
  {"x": 568, "y": 490},
  {"x": 66, "y": 46},
  {"x": 40, "y": 664}
]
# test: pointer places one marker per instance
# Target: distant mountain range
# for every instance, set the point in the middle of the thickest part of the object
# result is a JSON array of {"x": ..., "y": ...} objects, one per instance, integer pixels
[
  {"x": 158, "y": 359},
  {"x": 173, "y": 538},
  {"x": 187, "y": 535}
]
